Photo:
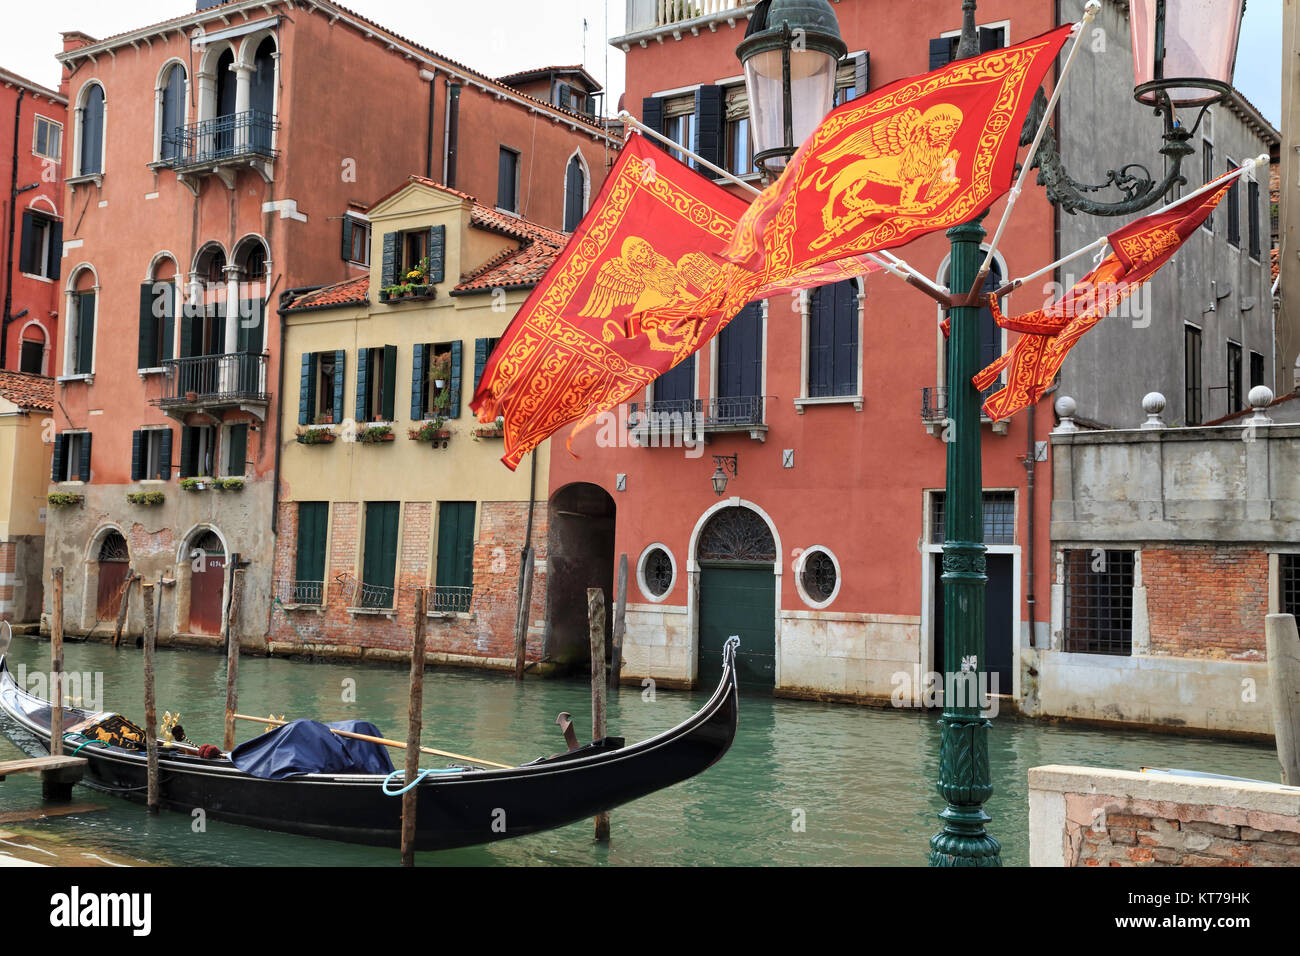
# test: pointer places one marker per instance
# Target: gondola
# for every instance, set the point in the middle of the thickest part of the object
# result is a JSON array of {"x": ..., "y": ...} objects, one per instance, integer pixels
[{"x": 457, "y": 807}]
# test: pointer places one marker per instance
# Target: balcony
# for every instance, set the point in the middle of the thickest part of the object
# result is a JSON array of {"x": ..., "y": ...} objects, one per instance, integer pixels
[
  {"x": 444, "y": 601},
  {"x": 220, "y": 146},
  {"x": 656, "y": 423},
  {"x": 651, "y": 19},
  {"x": 934, "y": 410},
  {"x": 214, "y": 383}
]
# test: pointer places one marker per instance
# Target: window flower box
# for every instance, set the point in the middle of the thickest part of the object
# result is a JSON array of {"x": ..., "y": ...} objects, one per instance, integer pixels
[
  {"x": 373, "y": 434},
  {"x": 63, "y": 499},
  {"x": 315, "y": 436},
  {"x": 147, "y": 499},
  {"x": 407, "y": 292},
  {"x": 199, "y": 483},
  {"x": 229, "y": 484},
  {"x": 493, "y": 430},
  {"x": 433, "y": 431}
]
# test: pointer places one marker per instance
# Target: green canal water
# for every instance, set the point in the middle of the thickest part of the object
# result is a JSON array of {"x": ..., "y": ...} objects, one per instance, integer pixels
[{"x": 860, "y": 778}]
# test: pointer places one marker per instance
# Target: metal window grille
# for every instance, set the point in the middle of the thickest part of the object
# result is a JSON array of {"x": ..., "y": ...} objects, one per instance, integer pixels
[
  {"x": 450, "y": 600},
  {"x": 1289, "y": 583},
  {"x": 1099, "y": 602},
  {"x": 999, "y": 517},
  {"x": 658, "y": 572},
  {"x": 819, "y": 576}
]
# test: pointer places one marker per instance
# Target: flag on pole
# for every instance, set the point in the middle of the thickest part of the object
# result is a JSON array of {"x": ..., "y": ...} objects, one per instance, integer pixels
[
  {"x": 1047, "y": 335},
  {"x": 920, "y": 154}
]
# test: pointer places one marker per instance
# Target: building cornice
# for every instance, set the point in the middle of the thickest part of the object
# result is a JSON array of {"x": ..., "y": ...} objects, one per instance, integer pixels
[
  {"x": 13, "y": 79},
  {"x": 709, "y": 21}
]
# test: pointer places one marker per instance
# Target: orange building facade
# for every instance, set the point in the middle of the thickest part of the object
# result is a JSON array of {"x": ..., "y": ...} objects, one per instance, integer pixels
[
  {"x": 219, "y": 162},
  {"x": 826, "y": 416}
]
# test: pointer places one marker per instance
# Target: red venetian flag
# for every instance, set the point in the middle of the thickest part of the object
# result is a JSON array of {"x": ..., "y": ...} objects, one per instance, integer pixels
[
  {"x": 921, "y": 154},
  {"x": 1140, "y": 249},
  {"x": 583, "y": 341}
]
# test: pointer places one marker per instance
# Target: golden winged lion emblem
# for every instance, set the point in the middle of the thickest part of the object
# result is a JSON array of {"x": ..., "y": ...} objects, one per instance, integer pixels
[
  {"x": 644, "y": 279},
  {"x": 910, "y": 152}
]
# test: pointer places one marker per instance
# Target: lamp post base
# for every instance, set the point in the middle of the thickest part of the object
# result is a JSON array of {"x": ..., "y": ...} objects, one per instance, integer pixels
[{"x": 964, "y": 754}]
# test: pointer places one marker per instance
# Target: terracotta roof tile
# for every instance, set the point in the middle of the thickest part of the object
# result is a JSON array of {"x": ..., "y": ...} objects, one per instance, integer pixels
[
  {"x": 520, "y": 268},
  {"x": 27, "y": 391},
  {"x": 351, "y": 292}
]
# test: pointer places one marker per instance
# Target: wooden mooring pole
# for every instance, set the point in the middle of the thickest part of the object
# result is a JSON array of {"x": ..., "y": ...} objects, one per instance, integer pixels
[
  {"x": 56, "y": 662},
  {"x": 123, "y": 606},
  {"x": 596, "y": 624},
  {"x": 620, "y": 624},
  {"x": 150, "y": 702},
  {"x": 228, "y": 625},
  {"x": 526, "y": 562},
  {"x": 414, "y": 724},
  {"x": 1282, "y": 643}
]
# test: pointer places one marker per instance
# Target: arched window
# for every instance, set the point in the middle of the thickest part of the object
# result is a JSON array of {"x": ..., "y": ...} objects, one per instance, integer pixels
[
  {"x": 158, "y": 315},
  {"x": 833, "y": 340},
  {"x": 172, "y": 115},
  {"x": 91, "y": 132},
  {"x": 32, "y": 355},
  {"x": 79, "y": 356},
  {"x": 261, "y": 97},
  {"x": 575, "y": 194}
]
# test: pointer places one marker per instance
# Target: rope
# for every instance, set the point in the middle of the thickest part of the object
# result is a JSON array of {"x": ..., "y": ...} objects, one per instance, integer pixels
[{"x": 415, "y": 783}]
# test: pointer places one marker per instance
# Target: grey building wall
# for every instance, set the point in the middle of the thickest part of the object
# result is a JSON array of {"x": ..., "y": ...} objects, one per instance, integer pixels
[{"x": 1210, "y": 284}]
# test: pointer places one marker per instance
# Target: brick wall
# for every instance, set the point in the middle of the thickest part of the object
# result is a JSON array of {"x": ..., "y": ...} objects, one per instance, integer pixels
[
  {"x": 1127, "y": 839},
  {"x": 487, "y": 631},
  {"x": 8, "y": 565},
  {"x": 1206, "y": 601}
]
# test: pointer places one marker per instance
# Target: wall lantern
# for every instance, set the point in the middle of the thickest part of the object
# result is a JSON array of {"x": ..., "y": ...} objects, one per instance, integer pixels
[{"x": 719, "y": 478}]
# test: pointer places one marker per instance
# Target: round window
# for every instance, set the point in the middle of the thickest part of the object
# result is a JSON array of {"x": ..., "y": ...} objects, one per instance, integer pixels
[
  {"x": 657, "y": 572},
  {"x": 819, "y": 576}
]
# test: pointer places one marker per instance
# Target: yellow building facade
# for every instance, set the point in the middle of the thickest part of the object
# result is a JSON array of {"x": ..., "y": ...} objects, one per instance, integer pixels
[{"x": 26, "y": 403}]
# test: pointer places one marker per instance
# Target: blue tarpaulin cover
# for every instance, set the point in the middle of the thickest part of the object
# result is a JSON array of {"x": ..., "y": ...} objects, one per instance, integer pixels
[{"x": 307, "y": 746}]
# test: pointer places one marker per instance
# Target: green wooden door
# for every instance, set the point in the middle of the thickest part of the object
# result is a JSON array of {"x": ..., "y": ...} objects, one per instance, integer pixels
[
  {"x": 742, "y": 601},
  {"x": 380, "y": 561},
  {"x": 313, "y": 519},
  {"x": 455, "y": 572}
]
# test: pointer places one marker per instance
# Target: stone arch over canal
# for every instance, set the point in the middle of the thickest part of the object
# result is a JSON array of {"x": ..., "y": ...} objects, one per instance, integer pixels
[
  {"x": 735, "y": 588},
  {"x": 579, "y": 555}
]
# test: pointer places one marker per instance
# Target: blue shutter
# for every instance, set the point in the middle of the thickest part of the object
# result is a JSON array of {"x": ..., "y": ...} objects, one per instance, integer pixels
[
  {"x": 388, "y": 269},
  {"x": 940, "y": 53},
  {"x": 844, "y": 378},
  {"x": 709, "y": 138},
  {"x": 137, "y": 456},
  {"x": 480, "y": 359},
  {"x": 165, "y": 456},
  {"x": 820, "y": 309},
  {"x": 437, "y": 254},
  {"x": 347, "y": 238},
  {"x": 388, "y": 399},
  {"x": 652, "y": 113},
  {"x": 306, "y": 400},
  {"x": 453, "y": 407},
  {"x": 363, "y": 373},
  {"x": 340, "y": 357},
  {"x": 418, "y": 366},
  {"x": 56, "y": 249}
]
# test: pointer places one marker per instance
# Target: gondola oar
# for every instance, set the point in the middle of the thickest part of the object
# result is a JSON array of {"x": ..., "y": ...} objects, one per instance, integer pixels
[{"x": 382, "y": 740}]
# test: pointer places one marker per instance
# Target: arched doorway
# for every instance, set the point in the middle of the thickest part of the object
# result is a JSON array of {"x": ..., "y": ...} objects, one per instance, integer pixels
[
  {"x": 579, "y": 555},
  {"x": 736, "y": 555},
  {"x": 113, "y": 559},
  {"x": 207, "y": 557}
]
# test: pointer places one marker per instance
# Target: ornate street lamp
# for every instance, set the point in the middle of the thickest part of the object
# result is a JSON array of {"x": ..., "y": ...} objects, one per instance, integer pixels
[
  {"x": 790, "y": 53},
  {"x": 719, "y": 478}
]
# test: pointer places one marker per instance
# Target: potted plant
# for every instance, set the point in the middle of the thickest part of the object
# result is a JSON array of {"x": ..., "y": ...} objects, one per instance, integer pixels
[
  {"x": 229, "y": 484},
  {"x": 325, "y": 418},
  {"x": 496, "y": 429},
  {"x": 372, "y": 434},
  {"x": 146, "y": 498},
  {"x": 433, "y": 431},
  {"x": 440, "y": 370},
  {"x": 191, "y": 397},
  {"x": 314, "y": 436},
  {"x": 198, "y": 483},
  {"x": 63, "y": 499}
]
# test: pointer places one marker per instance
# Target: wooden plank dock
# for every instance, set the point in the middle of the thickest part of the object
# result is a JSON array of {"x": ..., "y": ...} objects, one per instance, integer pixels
[{"x": 58, "y": 773}]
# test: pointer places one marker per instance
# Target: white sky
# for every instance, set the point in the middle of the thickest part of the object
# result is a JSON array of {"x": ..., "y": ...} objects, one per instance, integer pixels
[{"x": 498, "y": 37}]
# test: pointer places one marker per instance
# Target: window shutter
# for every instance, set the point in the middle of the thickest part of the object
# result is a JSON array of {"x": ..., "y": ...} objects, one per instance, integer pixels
[
  {"x": 652, "y": 113},
  {"x": 363, "y": 368},
  {"x": 165, "y": 455},
  {"x": 991, "y": 39},
  {"x": 56, "y": 249},
  {"x": 940, "y": 53},
  {"x": 137, "y": 456},
  {"x": 388, "y": 271},
  {"x": 340, "y": 357},
  {"x": 238, "y": 450},
  {"x": 437, "y": 254},
  {"x": 453, "y": 406},
  {"x": 861, "y": 75},
  {"x": 84, "y": 464},
  {"x": 306, "y": 388},
  {"x": 818, "y": 346},
  {"x": 480, "y": 359},
  {"x": 189, "y": 452},
  {"x": 844, "y": 379},
  {"x": 169, "y": 323},
  {"x": 313, "y": 517},
  {"x": 708, "y": 124},
  {"x": 417, "y": 381},
  {"x": 347, "y": 238},
  {"x": 56, "y": 465},
  {"x": 27, "y": 254},
  {"x": 389, "y": 398},
  {"x": 85, "y": 333},
  {"x": 147, "y": 353}
]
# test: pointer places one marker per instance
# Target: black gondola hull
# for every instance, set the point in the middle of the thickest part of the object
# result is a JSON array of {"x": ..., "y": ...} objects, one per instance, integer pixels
[{"x": 454, "y": 809}]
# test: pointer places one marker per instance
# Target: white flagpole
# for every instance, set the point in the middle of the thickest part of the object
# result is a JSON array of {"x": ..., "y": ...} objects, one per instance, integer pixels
[
  {"x": 630, "y": 120},
  {"x": 1089, "y": 12},
  {"x": 1101, "y": 243}
]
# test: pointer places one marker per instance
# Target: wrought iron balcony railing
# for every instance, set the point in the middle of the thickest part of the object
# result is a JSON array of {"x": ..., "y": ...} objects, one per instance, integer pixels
[
  {"x": 934, "y": 402},
  {"x": 300, "y": 592},
  {"x": 238, "y": 136},
  {"x": 449, "y": 600},
  {"x": 717, "y": 414},
  {"x": 205, "y": 381}
]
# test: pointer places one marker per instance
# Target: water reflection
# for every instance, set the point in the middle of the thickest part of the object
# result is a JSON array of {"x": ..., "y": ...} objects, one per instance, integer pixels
[{"x": 863, "y": 778}]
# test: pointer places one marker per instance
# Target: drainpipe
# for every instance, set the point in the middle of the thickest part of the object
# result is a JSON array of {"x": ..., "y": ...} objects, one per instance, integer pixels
[
  {"x": 1031, "y": 459},
  {"x": 9, "y": 263},
  {"x": 287, "y": 296},
  {"x": 432, "y": 78},
  {"x": 451, "y": 135}
]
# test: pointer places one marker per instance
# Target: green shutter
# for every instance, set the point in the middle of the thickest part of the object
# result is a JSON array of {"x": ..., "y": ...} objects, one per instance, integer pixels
[
  {"x": 56, "y": 465},
  {"x": 389, "y": 398},
  {"x": 137, "y": 456},
  {"x": 437, "y": 254},
  {"x": 84, "y": 464},
  {"x": 363, "y": 374},
  {"x": 453, "y": 406},
  {"x": 165, "y": 456},
  {"x": 56, "y": 250},
  {"x": 339, "y": 357},
  {"x": 85, "y": 333},
  {"x": 418, "y": 366},
  {"x": 380, "y": 560},
  {"x": 307, "y": 390},
  {"x": 28, "y": 257},
  {"x": 187, "y": 330},
  {"x": 455, "y": 544},
  {"x": 347, "y": 238},
  {"x": 313, "y": 520},
  {"x": 238, "y": 450},
  {"x": 481, "y": 349},
  {"x": 147, "y": 353},
  {"x": 189, "y": 452},
  {"x": 169, "y": 323},
  {"x": 388, "y": 270}
]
